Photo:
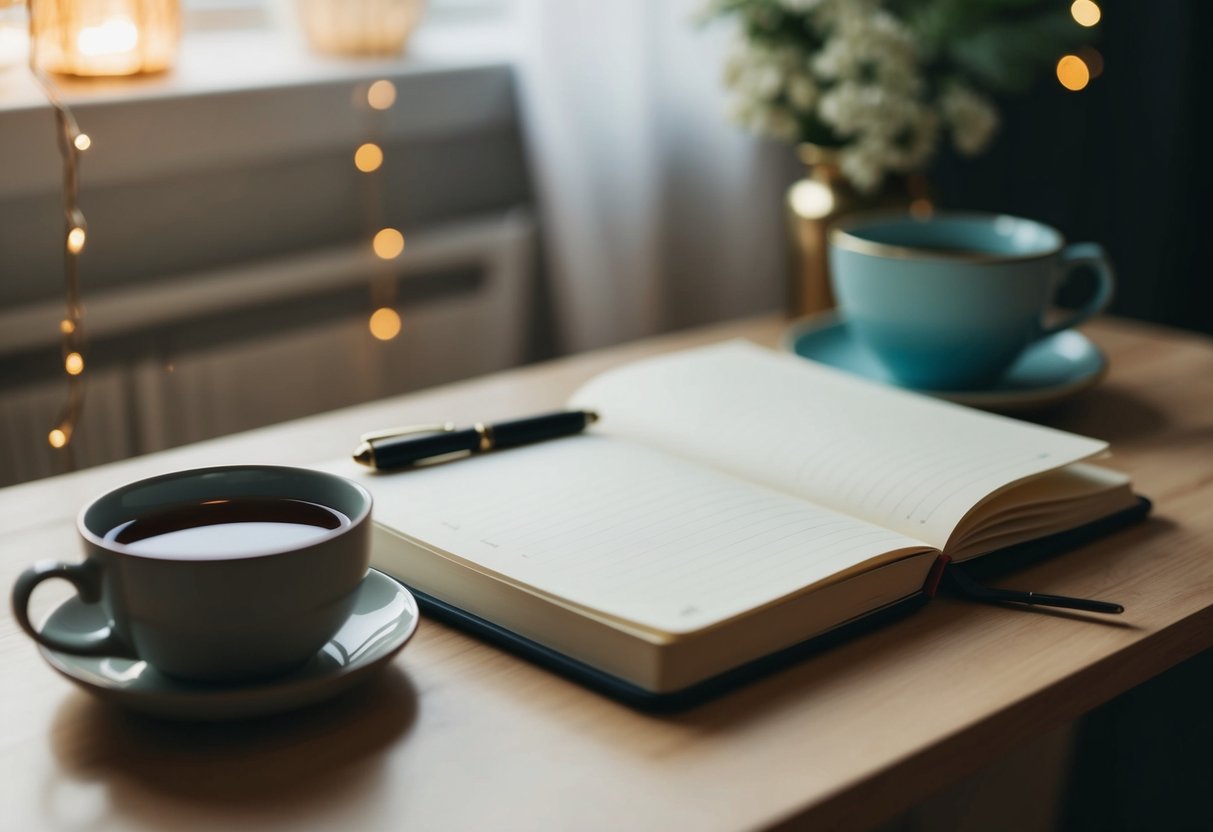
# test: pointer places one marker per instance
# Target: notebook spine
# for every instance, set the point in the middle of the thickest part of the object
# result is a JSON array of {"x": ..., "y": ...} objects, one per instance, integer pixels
[{"x": 935, "y": 575}]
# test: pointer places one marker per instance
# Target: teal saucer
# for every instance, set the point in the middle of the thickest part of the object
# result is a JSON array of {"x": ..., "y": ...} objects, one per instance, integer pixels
[
  {"x": 385, "y": 616},
  {"x": 1049, "y": 371}
]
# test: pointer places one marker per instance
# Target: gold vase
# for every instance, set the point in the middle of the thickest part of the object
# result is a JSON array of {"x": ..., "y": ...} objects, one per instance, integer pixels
[
  {"x": 818, "y": 201},
  {"x": 359, "y": 27}
]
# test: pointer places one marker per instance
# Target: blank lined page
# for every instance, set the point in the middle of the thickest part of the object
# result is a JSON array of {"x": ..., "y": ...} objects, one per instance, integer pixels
[
  {"x": 904, "y": 461},
  {"x": 624, "y": 530}
]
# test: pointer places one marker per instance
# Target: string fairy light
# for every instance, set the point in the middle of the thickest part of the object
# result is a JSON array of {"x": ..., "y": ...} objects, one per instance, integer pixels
[
  {"x": 1074, "y": 72},
  {"x": 72, "y": 142},
  {"x": 386, "y": 242},
  {"x": 1085, "y": 12}
]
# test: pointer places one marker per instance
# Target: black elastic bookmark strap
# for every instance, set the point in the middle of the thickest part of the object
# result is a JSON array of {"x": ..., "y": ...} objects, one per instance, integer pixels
[{"x": 966, "y": 587}]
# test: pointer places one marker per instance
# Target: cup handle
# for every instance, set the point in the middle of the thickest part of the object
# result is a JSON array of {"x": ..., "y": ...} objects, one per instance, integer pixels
[
  {"x": 1085, "y": 254},
  {"x": 86, "y": 577}
]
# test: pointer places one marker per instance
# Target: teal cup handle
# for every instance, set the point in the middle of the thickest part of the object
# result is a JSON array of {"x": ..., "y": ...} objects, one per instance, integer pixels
[
  {"x": 1072, "y": 257},
  {"x": 86, "y": 577},
  {"x": 951, "y": 301}
]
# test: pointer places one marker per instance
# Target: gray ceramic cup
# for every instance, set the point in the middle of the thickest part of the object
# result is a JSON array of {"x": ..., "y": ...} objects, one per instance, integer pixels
[{"x": 224, "y": 618}]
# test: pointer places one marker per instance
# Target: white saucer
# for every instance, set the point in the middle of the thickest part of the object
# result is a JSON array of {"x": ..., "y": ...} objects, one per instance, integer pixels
[
  {"x": 385, "y": 616},
  {"x": 1049, "y": 371}
]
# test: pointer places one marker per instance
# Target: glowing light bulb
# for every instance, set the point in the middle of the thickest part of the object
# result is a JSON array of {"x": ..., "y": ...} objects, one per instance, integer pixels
[
  {"x": 82, "y": 141},
  {"x": 811, "y": 199},
  {"x": 66, "y": 326},
  {"x": 57, "y": 438},
  {"x": 74, "y": 363},
  {"x": 384, "y": 323},
  {"x": 381, "y": 95},
  {"x": 368, "y": 157},
  {"x": 75, "y": 240},
  {"x": 1085, "y": 12},
  {"x": 388, "y": 244},
  {"x": 1073, "y": 73}
]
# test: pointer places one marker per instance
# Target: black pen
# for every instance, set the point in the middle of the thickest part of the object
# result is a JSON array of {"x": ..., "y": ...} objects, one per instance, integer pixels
[
  {"x": 400, "y": 447},
  {"x": 969, "y": 588}
]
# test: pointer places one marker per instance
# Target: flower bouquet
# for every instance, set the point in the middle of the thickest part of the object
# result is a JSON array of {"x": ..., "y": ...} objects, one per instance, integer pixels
[{"x": 883, "y": 82}]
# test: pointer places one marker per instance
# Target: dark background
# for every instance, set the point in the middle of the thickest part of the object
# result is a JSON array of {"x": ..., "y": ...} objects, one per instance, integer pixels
[{"x": 1125, "y": 162}]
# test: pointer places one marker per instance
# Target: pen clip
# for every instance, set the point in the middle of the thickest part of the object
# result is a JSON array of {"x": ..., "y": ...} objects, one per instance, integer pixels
[{"x": 391, "y": 433}]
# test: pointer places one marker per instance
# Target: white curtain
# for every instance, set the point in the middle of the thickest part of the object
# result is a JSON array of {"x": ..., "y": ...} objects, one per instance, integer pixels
[{"x": 657, "y": 212}]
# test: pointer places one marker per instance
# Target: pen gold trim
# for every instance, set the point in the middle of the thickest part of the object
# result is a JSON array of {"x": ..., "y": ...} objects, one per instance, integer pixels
[
  {"x": 486, "y": 436},
  {"x": 387, "y": 450},
  {"x": 365, "y": 452}
]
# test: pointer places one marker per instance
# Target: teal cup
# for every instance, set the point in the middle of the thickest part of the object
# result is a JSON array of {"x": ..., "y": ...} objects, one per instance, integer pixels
[
  {"x": 949, "y": 302},
  {"x": 247, "y": 600}
]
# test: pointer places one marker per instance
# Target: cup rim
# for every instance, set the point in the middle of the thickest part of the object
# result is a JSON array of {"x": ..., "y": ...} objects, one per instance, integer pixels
[
  {"x": 842, "y": 236},
  {"x": 122, "y": 549}
]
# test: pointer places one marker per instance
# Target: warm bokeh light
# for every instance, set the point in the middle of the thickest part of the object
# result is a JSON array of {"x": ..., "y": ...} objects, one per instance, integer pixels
[
  {"x": 57, "y": 438},
  {"x": 104, "y": 37},
  {"x": 368, "y": 157},
  {"x": 1085, "y": 12},
  {"x": 66, "y": 326},
  {"x": 921, "y": 208},
  {"x": 810, "y": 199},
  {"x": 1073, "y": 73},
  {"x": 381, "y": 95},
  {"x": 388, "y": 244},
  {"x": 82, "y": 141},
  {"x": 74, "y": 363},
  {"x": 75, "y": 240},
  {"x": 384, "y": 323},
  {"x": 115, "y": 36}
]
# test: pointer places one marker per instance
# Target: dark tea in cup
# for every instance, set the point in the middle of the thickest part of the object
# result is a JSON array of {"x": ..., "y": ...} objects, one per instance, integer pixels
[
  {"x": 215, "y": 574},
  {"x": 227, "y": 528}
]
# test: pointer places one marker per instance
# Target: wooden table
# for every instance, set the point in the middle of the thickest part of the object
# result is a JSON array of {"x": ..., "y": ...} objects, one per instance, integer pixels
[{"x": 458, "y": 735}]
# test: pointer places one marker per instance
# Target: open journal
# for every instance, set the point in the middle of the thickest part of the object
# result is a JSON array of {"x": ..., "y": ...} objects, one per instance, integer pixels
[{"x": 730, "y": 502}]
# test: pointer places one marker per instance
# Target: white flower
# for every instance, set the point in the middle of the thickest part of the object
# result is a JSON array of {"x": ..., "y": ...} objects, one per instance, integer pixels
[
  {"x": 735, "y": 61},
  {"x": 867, "y": 45},
  {"x": 866, "y": 84},
  {"x": 852, "y": 108},
  {"x": 780, "y": 123},
  {"x": 765, "y": 118},
  {"x": 754, "y": 72},
  {"x": 798, "y": 6},
  {"x": 802, "y": 92},
  {"x": 887, "y": 130},
  {"x": 787, "y": 58},
  {"x": 836, "y": 60},
  {"x": 829, "y": 12},
  {"x": 972, "y": 118},
  {"x": 891, "y": 35},
  {"x": 844, "y": 108},
  {"x": 916, "y": 143},
  {"x": 764, "y": 81},
  {"x": 863, "y": 163}
]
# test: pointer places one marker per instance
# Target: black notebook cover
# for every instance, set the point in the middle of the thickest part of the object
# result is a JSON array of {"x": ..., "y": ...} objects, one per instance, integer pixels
[{"x": 1004, "y": 560}]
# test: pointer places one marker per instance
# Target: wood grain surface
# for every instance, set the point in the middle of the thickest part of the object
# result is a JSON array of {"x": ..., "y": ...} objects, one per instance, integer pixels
[{"x": 458, "y": 735}]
